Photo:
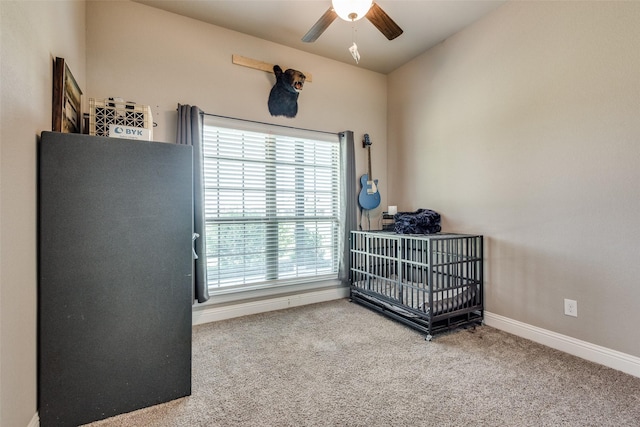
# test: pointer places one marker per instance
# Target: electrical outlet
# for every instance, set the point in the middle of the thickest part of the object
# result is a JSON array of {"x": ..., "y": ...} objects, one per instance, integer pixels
[{"x": 570, "y": 307}]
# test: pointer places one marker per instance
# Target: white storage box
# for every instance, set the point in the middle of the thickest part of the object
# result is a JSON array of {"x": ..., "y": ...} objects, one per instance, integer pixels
[{"x": 119, "y": 119}]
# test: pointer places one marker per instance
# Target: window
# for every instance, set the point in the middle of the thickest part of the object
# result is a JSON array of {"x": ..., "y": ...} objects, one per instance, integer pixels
[{"x": 272, "y": 205}]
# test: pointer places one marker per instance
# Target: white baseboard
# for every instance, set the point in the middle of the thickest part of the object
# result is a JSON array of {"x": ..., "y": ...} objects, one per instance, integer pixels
[
  {"x": 215, "y": 313},
  {"x": 594, "y": 353},
  {"x": 35, "y": 421}
]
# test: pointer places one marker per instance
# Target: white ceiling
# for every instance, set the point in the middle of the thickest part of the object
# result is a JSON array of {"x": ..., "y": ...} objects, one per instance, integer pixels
[{"x": 425, "y": 24}]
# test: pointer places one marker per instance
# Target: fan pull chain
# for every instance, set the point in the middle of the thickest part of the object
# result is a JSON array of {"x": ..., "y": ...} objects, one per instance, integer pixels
[{"x": 354, "y": 47}]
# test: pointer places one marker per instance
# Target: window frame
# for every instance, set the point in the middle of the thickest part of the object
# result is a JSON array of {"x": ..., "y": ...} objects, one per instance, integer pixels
[{"x": 272, "y": 134}]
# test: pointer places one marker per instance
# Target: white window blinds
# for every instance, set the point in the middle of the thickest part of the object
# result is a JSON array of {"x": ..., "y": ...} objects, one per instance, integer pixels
[{"x": 272, "y": 204}]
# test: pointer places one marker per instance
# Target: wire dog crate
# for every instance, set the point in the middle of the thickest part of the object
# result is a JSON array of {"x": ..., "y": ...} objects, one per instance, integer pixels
[{"x": 429, "y": 282}]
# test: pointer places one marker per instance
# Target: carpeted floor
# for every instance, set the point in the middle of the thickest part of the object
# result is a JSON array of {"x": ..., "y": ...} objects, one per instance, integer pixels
[{"x": 340, "y": 364}]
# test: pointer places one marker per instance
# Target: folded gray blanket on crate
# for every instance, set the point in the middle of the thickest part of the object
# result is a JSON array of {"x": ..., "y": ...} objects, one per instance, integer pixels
[{"x": 422, "y": 221}]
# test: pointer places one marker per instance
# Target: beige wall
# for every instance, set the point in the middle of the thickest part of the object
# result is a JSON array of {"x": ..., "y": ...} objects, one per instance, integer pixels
[
  {"x": 32, "y": 34},
  {"x": 181, "y": 60},
  {"x": 524, "y": 127}
]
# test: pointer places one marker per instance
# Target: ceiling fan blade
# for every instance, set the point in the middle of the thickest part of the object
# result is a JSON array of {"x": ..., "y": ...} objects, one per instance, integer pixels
[
  {"x": 318, "y": 28},
  {"x": 383, "y": 22}
]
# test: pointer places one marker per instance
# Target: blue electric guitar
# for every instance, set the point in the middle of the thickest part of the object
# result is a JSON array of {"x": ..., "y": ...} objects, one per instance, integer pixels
[{"x": 369, "y": 198}]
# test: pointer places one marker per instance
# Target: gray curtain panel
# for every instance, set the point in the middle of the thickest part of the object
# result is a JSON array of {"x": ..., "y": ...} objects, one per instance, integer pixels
[
  {"x": 190, "y": 133},
  {"x": 349, "y": 196}
]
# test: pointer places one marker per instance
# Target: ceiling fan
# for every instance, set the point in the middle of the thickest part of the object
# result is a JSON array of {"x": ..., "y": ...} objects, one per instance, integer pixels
[{"x": 352, "y": 10}]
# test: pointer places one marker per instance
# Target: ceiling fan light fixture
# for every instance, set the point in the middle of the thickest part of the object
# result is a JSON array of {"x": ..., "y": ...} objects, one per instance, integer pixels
[{"x": 351, "y": 10}]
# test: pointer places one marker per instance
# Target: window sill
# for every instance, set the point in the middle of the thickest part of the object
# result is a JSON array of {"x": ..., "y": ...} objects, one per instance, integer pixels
[
  {"x": 228, "y": 305},
  {"x": 247, "y": 293}
]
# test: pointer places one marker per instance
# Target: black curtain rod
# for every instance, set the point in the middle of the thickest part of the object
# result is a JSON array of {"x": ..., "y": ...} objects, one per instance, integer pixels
[{"x": 271, "y": 124}]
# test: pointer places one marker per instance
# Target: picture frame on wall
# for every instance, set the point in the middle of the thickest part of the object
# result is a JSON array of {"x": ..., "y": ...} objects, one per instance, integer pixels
[{"x": 67, "y": 100}]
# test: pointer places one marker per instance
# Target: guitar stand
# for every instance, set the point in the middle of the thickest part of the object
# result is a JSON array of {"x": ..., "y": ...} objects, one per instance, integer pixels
[{"x": 362, "y": 213}]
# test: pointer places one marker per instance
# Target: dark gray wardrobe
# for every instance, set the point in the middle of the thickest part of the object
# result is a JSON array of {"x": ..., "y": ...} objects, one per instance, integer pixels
[{"x": 115, "y": 266}]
